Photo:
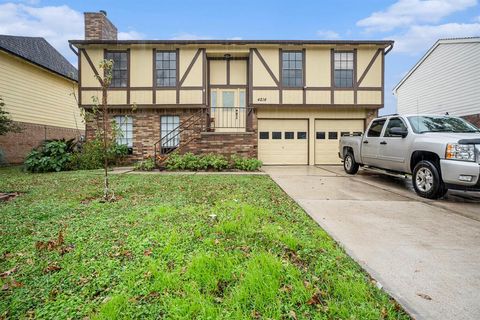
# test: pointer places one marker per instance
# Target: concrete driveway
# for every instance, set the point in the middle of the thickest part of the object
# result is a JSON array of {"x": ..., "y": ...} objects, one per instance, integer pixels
[{"x": 425, "y": 253}]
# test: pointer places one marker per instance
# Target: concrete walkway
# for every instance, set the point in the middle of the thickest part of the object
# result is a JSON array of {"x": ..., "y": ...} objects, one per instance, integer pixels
[{"x": 425, "y": 253}]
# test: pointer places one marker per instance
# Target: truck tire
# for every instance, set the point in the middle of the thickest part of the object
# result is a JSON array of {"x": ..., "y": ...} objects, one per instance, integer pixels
[
  {"x": 349, "y": 164},
  {"x": 427, "y": 181}
]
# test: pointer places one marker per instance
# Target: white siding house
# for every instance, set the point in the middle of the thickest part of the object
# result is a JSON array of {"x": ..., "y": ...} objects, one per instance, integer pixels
[{"x": 446, "y": 79}]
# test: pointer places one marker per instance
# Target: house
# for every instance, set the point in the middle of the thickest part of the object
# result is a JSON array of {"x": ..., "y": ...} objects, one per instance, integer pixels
[
  {"x": 446, "y": 79},
  {"x": 36, "y": 85},
  {"x": 283, "y": 101}
]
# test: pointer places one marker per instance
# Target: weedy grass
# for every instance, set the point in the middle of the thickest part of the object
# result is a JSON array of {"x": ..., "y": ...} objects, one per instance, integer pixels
[{"x": 173, "y": 247}]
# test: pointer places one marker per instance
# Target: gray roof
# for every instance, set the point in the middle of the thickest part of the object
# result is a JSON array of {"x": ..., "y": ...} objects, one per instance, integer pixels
[{"x": 38, "y": 51}]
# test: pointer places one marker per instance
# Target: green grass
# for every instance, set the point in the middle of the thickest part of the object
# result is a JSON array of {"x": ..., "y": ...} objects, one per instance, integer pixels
[{"x": 173, "y": 247}]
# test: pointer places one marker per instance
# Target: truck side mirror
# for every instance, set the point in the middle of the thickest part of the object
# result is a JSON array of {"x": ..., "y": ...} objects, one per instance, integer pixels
[{"x": 398, "y": 132}]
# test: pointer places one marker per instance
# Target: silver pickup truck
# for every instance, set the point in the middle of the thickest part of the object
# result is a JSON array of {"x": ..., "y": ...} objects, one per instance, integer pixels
[{"x": 440, "y": 152}]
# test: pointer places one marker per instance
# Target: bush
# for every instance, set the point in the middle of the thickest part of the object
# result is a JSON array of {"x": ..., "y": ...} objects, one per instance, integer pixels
[
  {"x": 215, "y": 162},
  {"x": 91, "y": 155},
  {"x": 145, "y": 165},
  {"x": 246, "y": 164},
  {"x": 52, "y": 155}
]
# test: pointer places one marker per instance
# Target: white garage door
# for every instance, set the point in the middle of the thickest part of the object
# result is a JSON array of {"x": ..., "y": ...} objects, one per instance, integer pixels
[
  {"x": 283, "y": 141},
  {"x": 327, "y": 135}
]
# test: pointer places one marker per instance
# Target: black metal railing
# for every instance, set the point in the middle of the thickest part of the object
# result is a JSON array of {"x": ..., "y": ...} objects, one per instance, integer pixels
[{"x": 224, "y": 118}]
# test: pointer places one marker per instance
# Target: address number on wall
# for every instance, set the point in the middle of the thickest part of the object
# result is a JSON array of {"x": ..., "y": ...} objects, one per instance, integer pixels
[{"x": 261, "y": 99}]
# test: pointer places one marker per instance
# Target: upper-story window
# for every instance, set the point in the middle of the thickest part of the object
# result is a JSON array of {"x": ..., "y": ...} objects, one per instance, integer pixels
[
  {"x": 292, "y": 68},
  {"x": 343, "y": 75},
  {"x": 119, "y": 68},
  {"x": 166, "y": 68}
]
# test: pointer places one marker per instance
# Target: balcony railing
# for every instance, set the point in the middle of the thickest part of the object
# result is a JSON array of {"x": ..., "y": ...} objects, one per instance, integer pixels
[{"x": 225, "y": 119}]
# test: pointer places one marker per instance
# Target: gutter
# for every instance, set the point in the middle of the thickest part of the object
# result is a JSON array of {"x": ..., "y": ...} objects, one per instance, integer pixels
[{"x": 389, "y": 49}]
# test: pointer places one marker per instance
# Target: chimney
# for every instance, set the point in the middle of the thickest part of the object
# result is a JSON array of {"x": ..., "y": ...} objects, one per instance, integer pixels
[{"x": 98, "y": 27}]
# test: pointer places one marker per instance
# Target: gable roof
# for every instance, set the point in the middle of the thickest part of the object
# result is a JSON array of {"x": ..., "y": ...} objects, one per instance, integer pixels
[
  {"x": 429, "y": 52},
  {"x": 38, "y": 51}
]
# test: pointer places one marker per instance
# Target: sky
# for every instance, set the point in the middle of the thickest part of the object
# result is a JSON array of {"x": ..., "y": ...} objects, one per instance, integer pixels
[{"x": 414, "y": 25}]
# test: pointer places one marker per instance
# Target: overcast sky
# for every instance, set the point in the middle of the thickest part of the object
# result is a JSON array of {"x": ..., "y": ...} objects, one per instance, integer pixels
[{"x": 415, "y": 25}]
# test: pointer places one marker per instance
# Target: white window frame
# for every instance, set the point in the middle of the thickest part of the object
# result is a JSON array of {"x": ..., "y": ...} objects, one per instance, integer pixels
[{"x": 125, "y": 128}]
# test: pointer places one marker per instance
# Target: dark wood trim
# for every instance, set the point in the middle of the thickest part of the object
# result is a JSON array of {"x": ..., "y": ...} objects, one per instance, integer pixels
[
  {"x": 79, "y": 84},
  {"x": 208, "y": 96},
  {"x": 370, "y": 64},
  {"x": 249, "y": 120},
  {"x": 304, "y": 74},
  {"x": 190, "y": 66},
  {"x": 177, "y": 95},
  {"x": 231, "y": 58},
  {"x": 265, "y": 65},
  {"x": 228, "y": 71},
  {"x": 293, "y": 88},
  {"x": 322, "y": 106},
  {"x": 332, "y": 75},
  {"x": 355, "y": 83},
  {"x": 280, "y": 77},
  {"x": 264, "y": 88},
  {"x": 128, "y": 75},
  {"x": 370, "y": 89},
  {"x": 318, "y": 88},
  {"x": 192, "y": 88},
  {"x": 95, "y": 71},
  {"x": 154, "y": 76},
  {"x": 226, "y": 86},
  {"x": 204, "y": 76},
  {"x": 151, "y": 106},
  {"x": 250, "y": 77}
]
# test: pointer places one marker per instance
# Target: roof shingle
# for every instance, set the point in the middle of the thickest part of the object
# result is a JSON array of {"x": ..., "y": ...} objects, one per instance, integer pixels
[{"x": 38, "y": 51}]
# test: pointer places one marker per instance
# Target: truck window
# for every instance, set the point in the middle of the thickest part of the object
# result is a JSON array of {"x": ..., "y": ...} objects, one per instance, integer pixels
[
  {"x": 392, "y": 123},
  {"x": 376, "y": 128}
]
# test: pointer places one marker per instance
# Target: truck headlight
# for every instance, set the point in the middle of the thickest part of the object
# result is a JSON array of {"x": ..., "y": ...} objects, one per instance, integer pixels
[{"x": 455, "y": 151}]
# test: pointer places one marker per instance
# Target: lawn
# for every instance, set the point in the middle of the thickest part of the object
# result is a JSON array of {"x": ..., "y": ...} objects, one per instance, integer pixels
[{"x": 173, "y": 247}]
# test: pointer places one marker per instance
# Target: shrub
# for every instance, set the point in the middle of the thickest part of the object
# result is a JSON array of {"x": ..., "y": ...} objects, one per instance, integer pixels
[
  {"x": 145, "y": 165},
  {"x": 91, "y": 155},
  {"x": 213, "y": 161},
  {"x": 52, "y": 155},
  {"x": 210, "y": 161}
]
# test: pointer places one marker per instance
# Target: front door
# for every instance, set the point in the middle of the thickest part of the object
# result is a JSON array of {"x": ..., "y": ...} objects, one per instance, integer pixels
[{"x": 227, "y": 110}]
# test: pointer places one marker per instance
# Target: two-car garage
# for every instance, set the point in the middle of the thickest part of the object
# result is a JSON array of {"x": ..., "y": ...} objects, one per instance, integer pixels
[{"x": 284, "y": 141}]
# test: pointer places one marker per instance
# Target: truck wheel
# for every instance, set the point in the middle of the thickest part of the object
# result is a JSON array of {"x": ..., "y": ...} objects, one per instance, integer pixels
[
  {"x": 349, "y": 164},
  {"x": 427, "y": 181}
]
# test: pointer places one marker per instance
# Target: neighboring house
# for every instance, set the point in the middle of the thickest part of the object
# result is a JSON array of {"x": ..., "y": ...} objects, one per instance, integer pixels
[
  {"x": 36, "y": 84},
  {"x": 283, "y": 101},
  {"x": 446, "y": 79}
]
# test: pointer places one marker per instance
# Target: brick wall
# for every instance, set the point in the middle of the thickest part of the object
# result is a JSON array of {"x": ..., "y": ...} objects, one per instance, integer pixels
[
  {"x": 473, "y": 119},
  {"x": 16, "y": 146},
  {"x": 98, "y": 27},
  {"x": 146, "y": 131}
]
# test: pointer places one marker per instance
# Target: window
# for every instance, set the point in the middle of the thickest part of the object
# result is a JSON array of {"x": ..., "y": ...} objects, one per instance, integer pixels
[
  {"x": 119, "y": 68},
  {"x": 394, "y": 123},
  {"x": 264, "y": 135},
  {"x": 228, "y": 98},
  {"x": 242, "y": 98},
  {"x": 125, "y": 130},
  {"x": 357, "y": 133},
  {"x": 376, "y": 128},
  {"x": 292, "y": 68},
  {"x": 213, "y": 102},
  {"x": 166, "y": 68},
  {"x": 289, "y": 135},
  {"x": 333, "y": 135},
  {"x": 276, "y": 135},
  {"x": 169, "y": 129},
  {"x": 301, "y": 135},
  {"x": 343, "y": 74},
  {"x": 344, "y": 133},
  {"x": 320, "y": 135}
]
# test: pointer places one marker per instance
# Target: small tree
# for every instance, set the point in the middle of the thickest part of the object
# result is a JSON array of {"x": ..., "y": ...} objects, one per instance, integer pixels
[{"x": 6, "y": 123}]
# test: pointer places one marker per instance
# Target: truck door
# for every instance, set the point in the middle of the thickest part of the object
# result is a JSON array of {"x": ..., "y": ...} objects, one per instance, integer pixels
[
  {"x": 393, "y": 148},
  {"x": 371, "y": 143}
]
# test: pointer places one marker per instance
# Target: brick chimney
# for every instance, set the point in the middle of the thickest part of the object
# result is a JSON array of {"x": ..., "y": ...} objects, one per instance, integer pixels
[{"x": 98, "y": 27}]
